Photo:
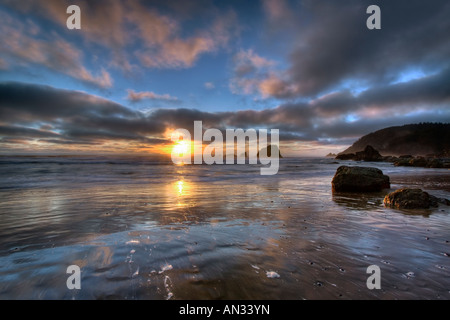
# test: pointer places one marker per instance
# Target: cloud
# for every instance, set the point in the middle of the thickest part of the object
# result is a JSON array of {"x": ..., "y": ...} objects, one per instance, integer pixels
[
  {"x": 209, "y": 85},
  {"x": 50, "y": 51},
  {"x": 342, "y": 114},
  {"x": 164, "y": 47},
  {"x": 338, "y": 47},
  {"x": 3, "y": 64},
  {"x": 24, "y": 132},
  {"x": 97, "y": 16},
  {"x": 177, "y": 53},
  {"x": 66, "y": 142},
  {"x": 329, "y": 46},
  {"x": 251, "y": 72},
  {"x": 280, "y": 14},
  {"x": 429, "y": 92},
  {"x": 134, "y": 96},
  {"x": 275, "y": 86},
  {"x": 21, "y": 102},
  {"x": 137, "y": 29},
  {"x": 69, "y": 116},
  {"x": 250, "y": 58},
  {"x": 39, "y": 113}
]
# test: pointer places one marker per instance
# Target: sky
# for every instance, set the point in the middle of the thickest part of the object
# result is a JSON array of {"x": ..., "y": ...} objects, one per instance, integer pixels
[{"x": 137, "y": 70}]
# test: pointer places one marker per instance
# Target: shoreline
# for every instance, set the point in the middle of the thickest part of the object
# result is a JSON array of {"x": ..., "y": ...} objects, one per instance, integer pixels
[{"x": 221, "y": 235}]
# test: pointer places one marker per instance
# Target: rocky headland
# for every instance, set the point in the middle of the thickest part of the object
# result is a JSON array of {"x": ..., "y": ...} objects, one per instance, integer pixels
[
  {"x": 425, "y": 145},
  {"x": 417, "y": 145}
]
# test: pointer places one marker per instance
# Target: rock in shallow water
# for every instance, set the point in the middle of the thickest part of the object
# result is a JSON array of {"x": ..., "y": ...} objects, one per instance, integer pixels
[
  {"x": 359, "y": 179},
  {"x": 410, "y": 199}
]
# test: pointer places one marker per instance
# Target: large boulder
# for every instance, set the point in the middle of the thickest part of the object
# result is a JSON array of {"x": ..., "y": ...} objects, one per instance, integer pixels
[
  {"x": 359, "y": 179},
  {"x": 410, "y": 199}
]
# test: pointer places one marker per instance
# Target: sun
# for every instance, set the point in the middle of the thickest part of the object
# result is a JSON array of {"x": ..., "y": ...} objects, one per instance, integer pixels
[{"x": 181, "y": 148}]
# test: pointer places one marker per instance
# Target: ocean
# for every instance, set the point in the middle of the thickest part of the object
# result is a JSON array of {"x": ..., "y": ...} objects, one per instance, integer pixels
[{"x": 145, "y": 229}]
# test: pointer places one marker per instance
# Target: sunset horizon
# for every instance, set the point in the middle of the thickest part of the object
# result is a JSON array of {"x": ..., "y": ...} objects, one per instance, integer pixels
[
  {"x": 228, "y": 150},
  {"x": 121, "y": 84}
]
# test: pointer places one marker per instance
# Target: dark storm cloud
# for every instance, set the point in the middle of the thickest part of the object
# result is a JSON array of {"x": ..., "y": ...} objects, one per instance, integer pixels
[
  {"x": 362, "y": 127},
  {"x": 288, "y": 117},
  {"x": 343, "y": 114},
  {"x": 78, "y": 118},
  {"x": 24, "y": 132},
  {"x": 433, "y": 89},
  {"x": 67, "y": 142},
  {"x": 72, "y": 116},
  {"x": 23, "y": 102},
  {"x": 335, "y": 45},
  {"x": 184, "y": 118},
  {"x": 431, "y": 92},
  {"x": 46, "y": 114}
]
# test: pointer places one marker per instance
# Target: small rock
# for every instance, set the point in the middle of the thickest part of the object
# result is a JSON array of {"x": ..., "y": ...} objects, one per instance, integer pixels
[{"x": 406, "y": 198}]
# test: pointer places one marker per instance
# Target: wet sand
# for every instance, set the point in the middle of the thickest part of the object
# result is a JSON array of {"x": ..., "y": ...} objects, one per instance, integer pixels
[{"x": 215, "y": 232}]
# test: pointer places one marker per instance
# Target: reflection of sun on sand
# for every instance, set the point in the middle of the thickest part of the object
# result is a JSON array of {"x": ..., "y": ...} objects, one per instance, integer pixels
[
  {"x": 180, "y": 190},
  {"x": 180, "y": 185}
]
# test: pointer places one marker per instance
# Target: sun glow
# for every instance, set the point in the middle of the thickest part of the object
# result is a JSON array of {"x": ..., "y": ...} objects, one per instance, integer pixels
[{"x": 181, "y": 148}]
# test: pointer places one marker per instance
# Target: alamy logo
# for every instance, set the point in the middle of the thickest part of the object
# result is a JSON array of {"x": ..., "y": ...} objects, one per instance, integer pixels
[
  {"x": 374, "y": 281},
  {"x": 74, "y": 20},
  {"x": 374, "y": 21},
  {"x": 74, "y": 280},
  {"x": 237, "y": 141}
]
